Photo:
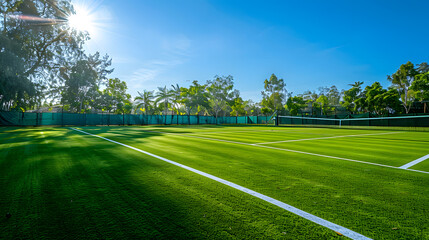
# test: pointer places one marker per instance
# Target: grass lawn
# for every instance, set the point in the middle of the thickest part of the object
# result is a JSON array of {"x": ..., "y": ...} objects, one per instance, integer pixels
[{"x": 60, "y": 183}]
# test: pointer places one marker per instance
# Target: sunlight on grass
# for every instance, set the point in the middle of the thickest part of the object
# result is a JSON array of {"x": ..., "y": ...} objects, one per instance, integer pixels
[{"x": 122, "y": 193}]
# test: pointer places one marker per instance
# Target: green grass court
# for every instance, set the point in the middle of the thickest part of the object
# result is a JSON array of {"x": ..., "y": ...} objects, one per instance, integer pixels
[{"x": 60, "y": 183}]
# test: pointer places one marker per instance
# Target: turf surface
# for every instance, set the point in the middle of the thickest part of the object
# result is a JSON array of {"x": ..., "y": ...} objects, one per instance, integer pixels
[{"x": 59, "y": 183}]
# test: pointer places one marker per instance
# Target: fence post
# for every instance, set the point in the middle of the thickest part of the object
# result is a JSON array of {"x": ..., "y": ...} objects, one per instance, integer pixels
[{"x": 276, "y": 122}]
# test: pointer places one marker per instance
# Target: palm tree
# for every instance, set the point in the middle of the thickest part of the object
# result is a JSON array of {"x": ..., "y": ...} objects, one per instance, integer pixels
[
  {"x": 145, "y": 100},
  {"x": 176, "y": 96},
  {"x": 163, "y": 95},
  {"x": 356, "y": 84}
]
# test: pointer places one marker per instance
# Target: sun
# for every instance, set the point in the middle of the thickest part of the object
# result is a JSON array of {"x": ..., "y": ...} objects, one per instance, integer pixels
[{"x": 82, "y": 20}]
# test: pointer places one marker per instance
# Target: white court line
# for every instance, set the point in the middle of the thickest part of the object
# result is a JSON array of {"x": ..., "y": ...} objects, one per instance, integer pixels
[
  {"x": 307, "y": 139},
  {"x": 191, "y": 136},
  {"x": 410, "y": 164},
  {"x": 268, "y": 131},
  {"x": 288, "y": 150},
  {"x": 344, "y": 231}
]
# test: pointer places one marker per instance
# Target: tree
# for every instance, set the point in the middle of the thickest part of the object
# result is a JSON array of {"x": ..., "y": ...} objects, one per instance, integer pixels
[
  {"x": 221, "y": 92},
  {"x": 421, "y": 88},
  {"x": 391, "y": 101},
  {"x": 175, "y": 98},
  {"x": 164, "y": 96},
  {"x": 334, "y": 96},
  {"x": 310, "y": 97},
  {"x": 324, "y": 104},
  {"x": 15, "y": 88},
  {"x": 374, "y": 100},
  {"x": 422, "y": 67},
  {"x": 252, "y": 108},
  {"x": 401, "y": 80},
  {"x": 194, "y": 98},
  {"x": 273, "y": 95},
  {"x": 82, "y": 82},
  {"x": 377, "y": 100},
  {"x": 353, "y": 97},
  {"x": 295, "y": 104},
  {"x": 238, "y": 107},
  {"x": 144, "y": 101},
  {"x": 119, "y": 98},
  {"x": 45, "y": 47},
  {"x": 80, "y": 86}
]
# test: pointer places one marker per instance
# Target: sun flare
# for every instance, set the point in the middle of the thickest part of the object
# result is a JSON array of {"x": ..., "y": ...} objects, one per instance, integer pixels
[{"x": 82, "y": 20}]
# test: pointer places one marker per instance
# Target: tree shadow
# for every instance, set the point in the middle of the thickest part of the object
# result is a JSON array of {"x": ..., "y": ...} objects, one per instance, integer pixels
[{"x": 69, "y": 189}]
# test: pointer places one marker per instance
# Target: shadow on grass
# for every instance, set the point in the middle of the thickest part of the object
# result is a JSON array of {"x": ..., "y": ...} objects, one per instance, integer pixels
[{"x": 76, "y": 188}]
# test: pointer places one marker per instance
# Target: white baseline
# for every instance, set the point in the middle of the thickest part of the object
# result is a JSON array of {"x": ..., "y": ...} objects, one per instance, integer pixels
[
  {"x": 335, "y": 227},
  {"x": 410, "y": 164}
]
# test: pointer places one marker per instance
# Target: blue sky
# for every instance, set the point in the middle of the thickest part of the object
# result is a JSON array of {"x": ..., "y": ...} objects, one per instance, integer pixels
[{"x": 307, "y": 43}]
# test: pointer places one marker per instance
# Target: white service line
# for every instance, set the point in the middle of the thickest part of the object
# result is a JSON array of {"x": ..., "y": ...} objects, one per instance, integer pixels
[
  {"x": 191, "y": 136},
  {"x": 307, "y": 139},
  {"x": 410, "y": 164},
  {"x": 240, "y": 131},
  {"x": 288, "y": 150},
  {"x": 344, "y": 231}
]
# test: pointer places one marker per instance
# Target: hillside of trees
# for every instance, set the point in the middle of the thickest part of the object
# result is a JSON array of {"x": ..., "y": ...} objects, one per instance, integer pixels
[{"x": 43, "y": 67}]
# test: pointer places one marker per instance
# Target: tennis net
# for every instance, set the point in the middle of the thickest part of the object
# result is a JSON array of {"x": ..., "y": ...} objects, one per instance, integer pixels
[{"x": 399, "y": 122}]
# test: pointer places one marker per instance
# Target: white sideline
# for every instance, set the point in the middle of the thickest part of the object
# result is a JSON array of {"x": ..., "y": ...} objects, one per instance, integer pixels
[
  {"x": 287, "y": 150},
  {"x": 340, "y": 229},
  {"x": 307, "y": 139},
  {"x": 410, "y": 164}
]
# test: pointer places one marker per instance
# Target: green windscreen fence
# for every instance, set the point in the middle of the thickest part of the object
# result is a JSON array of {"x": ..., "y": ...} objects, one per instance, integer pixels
[{"x": 70, "y": 119}]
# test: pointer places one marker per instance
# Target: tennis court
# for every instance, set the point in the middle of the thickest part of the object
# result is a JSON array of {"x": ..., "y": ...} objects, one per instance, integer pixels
[{"x": 181, "y": 182}]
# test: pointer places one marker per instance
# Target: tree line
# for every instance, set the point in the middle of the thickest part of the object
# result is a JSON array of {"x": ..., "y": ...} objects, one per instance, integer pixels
[
  {"x": 408, "y": 92},
  {"x": 43, "y": 64}
]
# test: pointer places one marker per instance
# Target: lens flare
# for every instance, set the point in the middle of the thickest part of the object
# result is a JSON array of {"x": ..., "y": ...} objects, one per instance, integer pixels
[
  {"x": 37, "y": 20},
  {"x": 88, "y": 16}
]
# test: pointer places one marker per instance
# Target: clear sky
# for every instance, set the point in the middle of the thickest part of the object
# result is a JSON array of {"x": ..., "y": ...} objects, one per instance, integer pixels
[{"x": 307, "y": 43}]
